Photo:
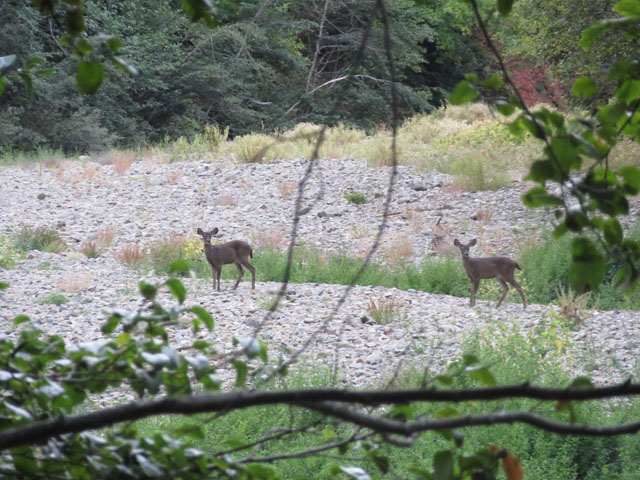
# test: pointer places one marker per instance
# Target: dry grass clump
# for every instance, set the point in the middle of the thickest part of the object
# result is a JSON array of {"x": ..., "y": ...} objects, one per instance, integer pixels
[
  {"x": 469, "y": 113},
  {"x": 95, "y": 245},
  {"x": 122, "y": 162},
  {"x": 173, "y": 176},
  {"x": 414, "y": 217},
  {"x": 375, "y": 149},
  {"x": 400, "y": 250},
  {"x": 286, "y": 188},
  {"x": 625, "y": 153},
  {"x": 385, "y": 310},
  {"x": 130, "y": 254},
  {"x": 573, "y": 306}
]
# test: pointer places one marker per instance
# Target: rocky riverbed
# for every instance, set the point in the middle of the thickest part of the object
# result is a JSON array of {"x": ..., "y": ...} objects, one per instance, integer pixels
[{"x": 149, "y": 201}]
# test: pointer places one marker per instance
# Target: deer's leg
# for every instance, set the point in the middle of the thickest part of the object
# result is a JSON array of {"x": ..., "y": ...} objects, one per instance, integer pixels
[
  {"x": 240, "y": 273},
  {"x": 218, "y": 273},
  {"x": 474, "y": 290},
  {"x": 252, "y": 269},
  {"x": 213, "y": 275},
  {"x": 505, "y": 290},
  {"x": 513, "y": 282}
]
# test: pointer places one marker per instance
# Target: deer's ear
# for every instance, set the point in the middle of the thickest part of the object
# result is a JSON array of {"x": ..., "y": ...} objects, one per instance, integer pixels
[
  {"x": 456, "y": 242},
  {"x": 199, "y": 232},
  {"x": 473, "y": 242},
  {"x": 214, "y": 231}
]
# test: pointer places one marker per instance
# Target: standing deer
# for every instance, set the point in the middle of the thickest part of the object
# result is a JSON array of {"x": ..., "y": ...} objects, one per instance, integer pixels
[
  {"x": 237, "y": 252},
  {"x": 500, "y": 268}
]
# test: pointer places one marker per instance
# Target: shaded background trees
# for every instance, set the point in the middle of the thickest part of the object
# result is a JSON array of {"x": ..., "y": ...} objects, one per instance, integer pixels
[{"x": 262, "y": 59}]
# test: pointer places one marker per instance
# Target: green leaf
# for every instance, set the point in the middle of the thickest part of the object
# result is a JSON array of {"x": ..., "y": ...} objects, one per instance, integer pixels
[
  {"x": 613, "y": 231},
  {"x": 177, "y": 289},
  {"x": 539, "y": 197},
  {"x": 543, "y": 170},
  {"x": 179, "y": 266},
  {"x": 1, "y": 85},
  {"x": 626, "y": 278},
  {"x": 33, "y": 61},
  {"x": 494, "y": 82},
  {"x": 200, "y": 9},
  {"x": 4, "y": 285},
  {"x": 123, "y": 339},
  {"x": 6, "y": 62},
  {"x": 584, "y": 87},
  {"x": 448, "y": 412},
  {"x": 147, "y": 290},
  {"x": 504, "y": 7},
  {"x": 462, "y": 93},
  {"x": 470, "y": 359},
  {"x": 483, "y": 376},
  {"x": 20, "y": 319},
  {"x": 472, "y": 78},
  {"x": 443, "y": 465},
  {"x": 581, "y": 383},
  {"x": 382, "y": 462},
  {"x": 45, "y": 72},
  {"x": 504, "y": 108},
  {"x": 203, "y": 315},
  {"x": 446, "y": 380},
  {"x": 629, "y": 91},
  {"x": 628, "y": 8},
  {"x": 588, "y": 265},
  {"x": 75, "y": 22},
  {"x": 113, "y": 44},
  {"x": 241, "y": 372},
  {"x": 89, "y": 76},
  {"x": 559, "y": 231},
  {"x": 28, "y": 83},
  {"x": 112, "y": 322},
  {"x": 83, "y": 47}
]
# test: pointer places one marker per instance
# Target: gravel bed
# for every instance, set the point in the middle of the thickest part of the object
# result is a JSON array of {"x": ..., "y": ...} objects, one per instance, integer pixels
[{"x": 256, "y": 203}]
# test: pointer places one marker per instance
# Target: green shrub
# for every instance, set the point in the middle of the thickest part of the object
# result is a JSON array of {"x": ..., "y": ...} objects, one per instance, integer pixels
[
  {"x": 8, "y": 254},
  {"x": 44, "y": 239},
  {"x": 53, "y": 299},
  {"x": 356, "y": 197}
]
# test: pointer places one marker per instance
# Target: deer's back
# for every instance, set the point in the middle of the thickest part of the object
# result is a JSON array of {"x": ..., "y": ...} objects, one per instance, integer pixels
[{"x": 490, "y": 267}]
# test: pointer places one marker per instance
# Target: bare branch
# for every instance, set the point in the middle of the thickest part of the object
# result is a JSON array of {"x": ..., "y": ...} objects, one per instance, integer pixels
[{"x": 326, "y": 401}]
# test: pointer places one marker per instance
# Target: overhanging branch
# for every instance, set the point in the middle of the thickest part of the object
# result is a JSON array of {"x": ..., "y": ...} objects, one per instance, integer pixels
[{"x": 331, "y": 402}]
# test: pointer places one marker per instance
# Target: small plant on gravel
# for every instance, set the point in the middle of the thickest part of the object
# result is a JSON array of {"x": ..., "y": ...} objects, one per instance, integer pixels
[
  {"x": 90, "y": 248},
  {"x": 286, "y": 188},
  {"x": 8, "y": 254},
  {"x": 44, "y": 239},
  {"x": 400, "y": 250},
  {"x": 122, "y": 162},
  {"x": 573, "y": 307},
  {"x": 130, "y": 255},
  {"x": 385, "y": 310},
  {"x": 356, "y": 197},
  {"x": 95, "y": 245},
  {"x": 53, "y": 299},
  {"x": 272, "y": 239}
]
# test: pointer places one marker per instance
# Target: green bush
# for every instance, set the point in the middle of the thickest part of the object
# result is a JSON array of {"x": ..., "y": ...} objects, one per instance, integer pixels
[
  {"x": 44, "y": 239},
  {"x": 53, "y": 299},
  {"x": 356, "y": 197},
  {"x": 8, "y": 254}
]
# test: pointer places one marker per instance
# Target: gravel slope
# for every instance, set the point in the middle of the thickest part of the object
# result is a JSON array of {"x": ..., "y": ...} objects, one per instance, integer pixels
[{"x": 255, "y": 202}]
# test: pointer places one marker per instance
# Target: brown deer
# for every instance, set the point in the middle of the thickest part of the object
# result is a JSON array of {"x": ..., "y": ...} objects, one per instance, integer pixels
[
  {"x": 500, "y": 268},
  {"x": 237, "y": 252}
]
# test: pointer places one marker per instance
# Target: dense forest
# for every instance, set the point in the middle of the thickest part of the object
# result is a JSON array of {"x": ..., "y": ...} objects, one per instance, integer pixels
[{"x": 269, "y": 65}]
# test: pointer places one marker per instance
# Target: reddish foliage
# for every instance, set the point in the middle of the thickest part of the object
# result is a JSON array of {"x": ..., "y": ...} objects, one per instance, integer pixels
[{"x": 533, "y": 83}]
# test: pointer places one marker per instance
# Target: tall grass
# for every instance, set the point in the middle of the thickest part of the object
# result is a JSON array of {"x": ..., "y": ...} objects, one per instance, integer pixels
[
  {"x": 545, "y": 270},
  {"x": 512, "y": 359}
]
